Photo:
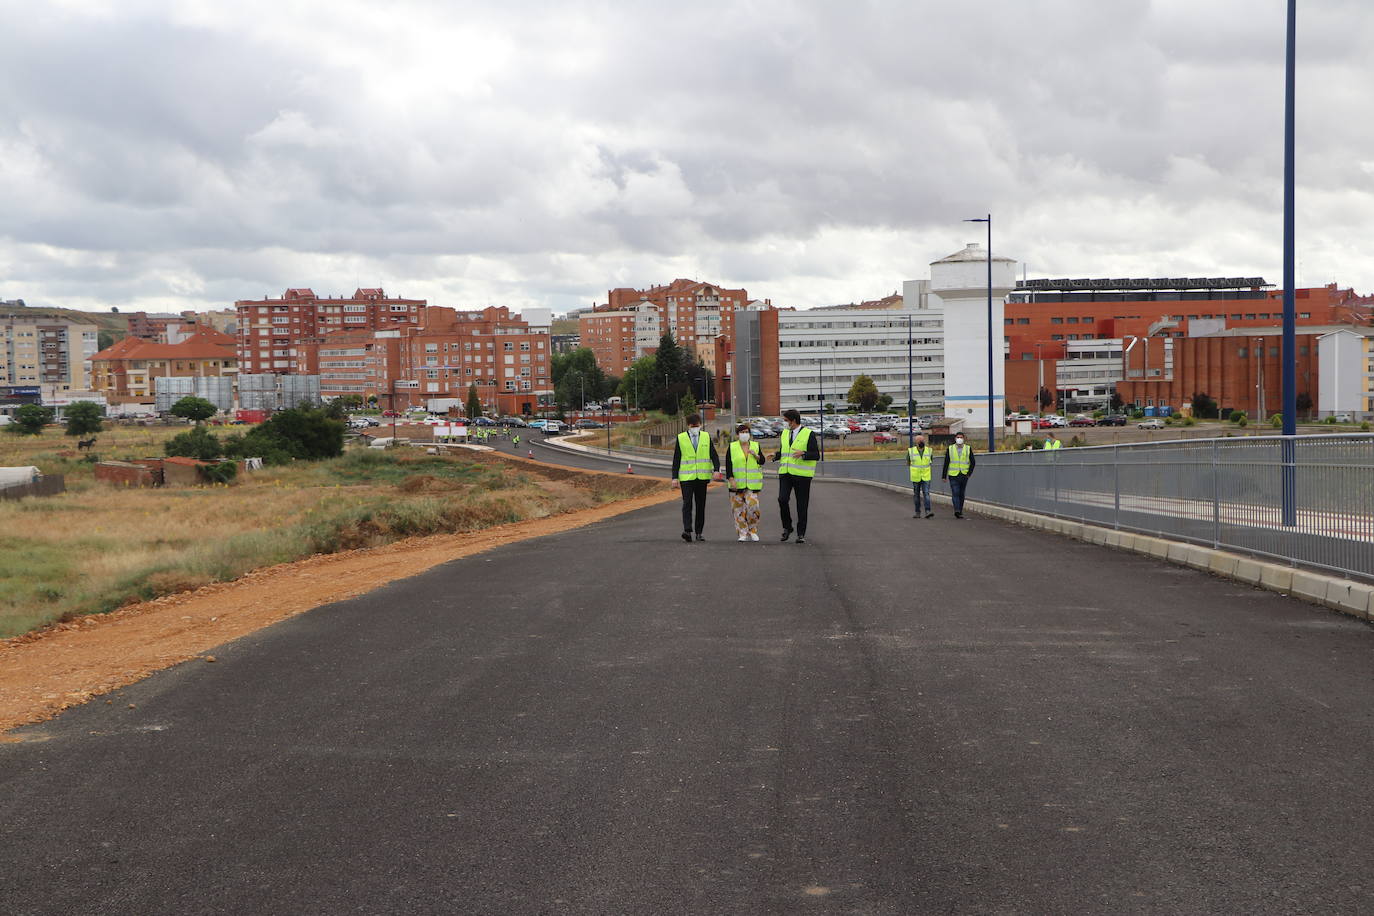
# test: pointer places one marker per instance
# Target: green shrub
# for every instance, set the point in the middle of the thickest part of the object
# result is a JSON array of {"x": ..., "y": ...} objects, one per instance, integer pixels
[
  {"x": 196, "y": 442},
  {"x": 1276, "y": 420},
  {"x": 1239, "y": 417},
  {"x": 1330, "y": 421},
  {"x": 224, "y": 472}
]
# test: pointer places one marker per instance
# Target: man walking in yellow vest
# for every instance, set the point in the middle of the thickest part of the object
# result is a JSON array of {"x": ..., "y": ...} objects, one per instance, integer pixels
[
  {"x": 1052, "y": 442},
  {"x": 958, "y": 469},
  {"x": 796, "y": 467},
  {"x": 694, "y": 462},
  {"x": 918, "y": 462},
  {"x": 744, "y": 476}
]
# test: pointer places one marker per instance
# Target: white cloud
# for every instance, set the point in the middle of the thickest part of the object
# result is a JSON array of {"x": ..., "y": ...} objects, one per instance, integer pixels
[{"x": 530, "y": 152}]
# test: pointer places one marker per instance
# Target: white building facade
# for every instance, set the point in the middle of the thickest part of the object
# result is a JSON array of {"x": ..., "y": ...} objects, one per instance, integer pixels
[
  {"x": 959, "y": 290},
  {"x": 822, "y": 352}
]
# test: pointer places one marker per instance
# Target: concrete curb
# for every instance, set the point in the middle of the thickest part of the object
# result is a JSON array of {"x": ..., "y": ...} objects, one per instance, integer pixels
[{"x": 1344, "y": 595}]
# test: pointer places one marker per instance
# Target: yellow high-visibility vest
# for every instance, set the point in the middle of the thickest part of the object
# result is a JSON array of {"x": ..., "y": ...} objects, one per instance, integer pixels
[
  {"x": 747, "y": 469},
  {"x": 695, "y": 464},
  {"x": 959, "y": 460},
  {"x": 797, "y": 467},
  {"x": 1053, "y": 444},
  {"x": 919, "y": 461}
]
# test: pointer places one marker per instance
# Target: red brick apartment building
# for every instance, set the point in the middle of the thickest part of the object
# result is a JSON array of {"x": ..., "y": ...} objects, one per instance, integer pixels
[
  {"x": 407, "y": 366},
  {"x": 631, "y": 322},
  {"x": 273, "y": 333}
]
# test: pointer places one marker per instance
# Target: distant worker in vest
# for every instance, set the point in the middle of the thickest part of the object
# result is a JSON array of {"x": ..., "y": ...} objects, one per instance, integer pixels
[
  {"x": 695, "y": 460},
  {"x": 1052, "y": 441},
  {"x": 918, "y": 462},
  {"x": 796, "y": 467},
  {"x": 744, "y": 462},
  {"x": 959, "y": 462}
]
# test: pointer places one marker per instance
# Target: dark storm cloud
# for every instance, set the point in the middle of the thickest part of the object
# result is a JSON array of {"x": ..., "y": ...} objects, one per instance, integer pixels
[{"x": 542, "y": 153}]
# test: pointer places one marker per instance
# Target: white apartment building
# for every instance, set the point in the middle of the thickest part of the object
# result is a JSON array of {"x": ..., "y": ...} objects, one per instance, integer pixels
[
  {"x": 822, "y": 352},
  {"x": 48, "y": 352}
]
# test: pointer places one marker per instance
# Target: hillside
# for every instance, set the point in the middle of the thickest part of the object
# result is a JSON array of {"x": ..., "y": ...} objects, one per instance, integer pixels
[{"x": 115, "y": 322}]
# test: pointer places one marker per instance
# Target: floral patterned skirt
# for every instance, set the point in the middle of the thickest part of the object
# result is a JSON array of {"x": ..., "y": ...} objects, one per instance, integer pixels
[{"x": 745, "y": 504}]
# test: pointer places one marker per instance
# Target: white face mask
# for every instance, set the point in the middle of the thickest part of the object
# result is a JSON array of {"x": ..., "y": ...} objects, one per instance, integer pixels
[
  {"x": 959, "y": 440},
  {"x": 695, "y": 429},
  {"x": 744, "y": 437}
]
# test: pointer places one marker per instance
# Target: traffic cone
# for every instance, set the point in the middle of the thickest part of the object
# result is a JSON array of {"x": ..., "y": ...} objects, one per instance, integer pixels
[
  {"x": 629, "y": 468},
  {"x": 530, "y": 454}
]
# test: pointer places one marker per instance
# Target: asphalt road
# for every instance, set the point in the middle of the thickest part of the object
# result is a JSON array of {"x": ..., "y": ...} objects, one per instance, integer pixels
[{"x": 899, "y": 717}]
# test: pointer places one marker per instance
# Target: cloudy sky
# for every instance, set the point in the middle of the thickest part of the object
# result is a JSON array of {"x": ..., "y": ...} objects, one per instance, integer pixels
[{"x": 171, "y": 155}]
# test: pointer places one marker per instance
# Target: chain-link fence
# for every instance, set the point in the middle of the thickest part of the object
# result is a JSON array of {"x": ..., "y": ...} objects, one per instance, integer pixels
[{"x": 1225, "y": 493}]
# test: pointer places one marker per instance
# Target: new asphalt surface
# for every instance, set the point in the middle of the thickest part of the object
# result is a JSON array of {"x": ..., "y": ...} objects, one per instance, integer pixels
[{"x": 898, "y": 717}]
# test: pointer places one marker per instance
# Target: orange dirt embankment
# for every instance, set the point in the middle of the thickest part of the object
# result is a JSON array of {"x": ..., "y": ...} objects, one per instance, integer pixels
[{"x": 45, "y": 672}]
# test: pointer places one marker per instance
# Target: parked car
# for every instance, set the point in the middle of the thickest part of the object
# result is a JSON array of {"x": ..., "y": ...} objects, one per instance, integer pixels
[
  {"x": 882, "y": 437},
  {"x": 553, "y": 427},
  {"x": 1342, "y": 418},
  {"x": 537, "y": 424},
  {"x": 588, "y": 424},
  {"x": 1112, "y": 419},
  {"x": 390, "y": 413},
  {"x": 762, "y": 432},
  {"x": 1082, "y": 421},
  {"x": 835, "y": 432},
  {"x": 1152, "y": 423}
]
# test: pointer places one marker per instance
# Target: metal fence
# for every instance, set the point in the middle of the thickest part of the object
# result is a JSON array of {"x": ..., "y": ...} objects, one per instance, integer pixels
[{"x": 1224, "y": 493}]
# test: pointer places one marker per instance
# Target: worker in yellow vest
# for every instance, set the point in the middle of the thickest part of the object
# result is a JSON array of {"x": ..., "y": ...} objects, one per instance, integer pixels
[
  {"x": 695, "y": 461},
  {"x": 958, "y": 469},
  {"x": 918, "y": 463},
  {"x": 744, "y": 461},
  {"x": 796, "y": 467},
  {"x": 1052, "y": 442}
]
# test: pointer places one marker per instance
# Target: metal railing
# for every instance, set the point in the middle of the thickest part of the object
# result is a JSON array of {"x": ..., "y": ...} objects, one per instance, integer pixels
[{"x": 1224, "y": 493}]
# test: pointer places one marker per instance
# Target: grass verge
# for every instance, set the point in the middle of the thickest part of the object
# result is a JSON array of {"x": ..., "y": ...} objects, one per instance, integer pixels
[{"x": 96, "y": 548}]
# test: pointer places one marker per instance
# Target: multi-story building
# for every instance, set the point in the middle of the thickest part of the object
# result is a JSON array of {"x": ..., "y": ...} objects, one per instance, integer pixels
[
  {"x": 928, "y": 344},
  {"x": 507, "y": 357},
  {"x": 1052, "y": 326},
  {"x": 273, "y": 334},
  {"x": 50, "y": 353},
  {"x": 150, "y": 326},
  {"x": 632, "y": 321},
  {"x": 803, "y": 359},
  {"x": 126, "y": 371}
]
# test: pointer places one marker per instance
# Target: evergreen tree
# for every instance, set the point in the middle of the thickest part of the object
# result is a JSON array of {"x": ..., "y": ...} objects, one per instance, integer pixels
[
  {"x": 474, "y": 402},
  {"x": 29, "y": 420},
  {"x": 84, "y": 417},
  {"x": 672, "y": 367},
  {"x": 863, "y": 394}
]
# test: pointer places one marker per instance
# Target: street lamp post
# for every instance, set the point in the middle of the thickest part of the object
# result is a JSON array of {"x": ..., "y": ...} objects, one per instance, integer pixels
[
  {"x": 992, "y": 445},
  {"x": 1290, "y": 381},
  {"x": 910, "y": 392}
]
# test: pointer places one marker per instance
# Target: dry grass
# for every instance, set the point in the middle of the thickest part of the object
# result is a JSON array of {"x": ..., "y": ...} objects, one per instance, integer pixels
[
  {"x": 53, "y": 452},
  {"x": 97, "y": 547}
]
